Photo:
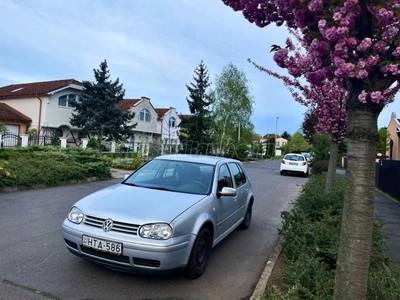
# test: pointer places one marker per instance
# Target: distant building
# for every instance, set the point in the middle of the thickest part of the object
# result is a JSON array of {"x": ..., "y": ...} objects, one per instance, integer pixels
[{"x": 394, "y": 138}]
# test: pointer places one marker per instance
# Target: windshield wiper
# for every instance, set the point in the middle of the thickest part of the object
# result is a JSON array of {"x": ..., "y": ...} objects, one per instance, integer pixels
[
  {"x": 158, "y": 188},
  {"x": 128, "y": 183}
]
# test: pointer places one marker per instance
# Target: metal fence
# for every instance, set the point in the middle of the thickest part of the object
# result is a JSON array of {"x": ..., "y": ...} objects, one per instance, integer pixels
[
  {"x": 44, "y": 140},
  {"x": 387, "y": 177},
  {"x": 9, "y": 139}
]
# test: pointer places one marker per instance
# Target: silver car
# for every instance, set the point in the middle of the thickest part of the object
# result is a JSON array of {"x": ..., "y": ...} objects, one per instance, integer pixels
[{"x": 166, "y": 216}]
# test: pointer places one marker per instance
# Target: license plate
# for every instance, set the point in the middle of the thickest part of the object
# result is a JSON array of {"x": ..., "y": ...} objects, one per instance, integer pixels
[
  {"x": 293, "y": 164},
  {"x": 102, "y": 245}
]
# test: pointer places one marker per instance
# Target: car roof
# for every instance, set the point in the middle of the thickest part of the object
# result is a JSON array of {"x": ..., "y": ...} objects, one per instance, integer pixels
[{"x": 196, "y": 158}]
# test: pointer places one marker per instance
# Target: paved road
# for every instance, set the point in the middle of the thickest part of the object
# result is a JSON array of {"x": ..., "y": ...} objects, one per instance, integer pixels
[{"x": 34, "y": 263}]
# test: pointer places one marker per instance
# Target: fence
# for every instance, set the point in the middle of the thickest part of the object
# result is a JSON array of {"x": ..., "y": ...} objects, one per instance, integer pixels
[
  {"x": 387, "y": 177},
  {"x": 9, "y": 139}
]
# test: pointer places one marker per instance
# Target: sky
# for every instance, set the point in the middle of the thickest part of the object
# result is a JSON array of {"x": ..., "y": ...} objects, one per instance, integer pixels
[{"x": 152, "y": 46}]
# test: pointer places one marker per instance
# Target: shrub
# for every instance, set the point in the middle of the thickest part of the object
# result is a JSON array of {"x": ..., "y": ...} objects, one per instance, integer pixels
[
  {"x": 48, "y": 165},
  {"x": 93, "y": 143},
  {"x": 320, "y": 166}
]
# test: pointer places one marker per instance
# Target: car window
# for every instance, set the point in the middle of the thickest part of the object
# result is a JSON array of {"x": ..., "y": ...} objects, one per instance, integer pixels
[
  {"x": 178, "y": 176},
  {"x": 238, "y": 174},
  {"x": 224, "y": 177},
  {"x": 294, "y": 157}
]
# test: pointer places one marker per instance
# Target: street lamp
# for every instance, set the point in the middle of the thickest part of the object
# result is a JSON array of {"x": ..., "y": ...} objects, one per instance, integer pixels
[{"x": 276, "y": 134}]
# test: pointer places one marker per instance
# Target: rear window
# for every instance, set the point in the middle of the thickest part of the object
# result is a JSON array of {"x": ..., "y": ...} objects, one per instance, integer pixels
[{"x": 294, "y": 157}]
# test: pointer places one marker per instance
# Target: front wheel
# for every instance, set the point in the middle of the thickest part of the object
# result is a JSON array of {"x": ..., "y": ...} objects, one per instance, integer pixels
[{"x": 200, "y": 254}]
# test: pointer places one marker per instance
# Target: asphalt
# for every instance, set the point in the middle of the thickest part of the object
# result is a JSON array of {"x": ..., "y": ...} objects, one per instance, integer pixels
[{"x": 387, "y": 210}]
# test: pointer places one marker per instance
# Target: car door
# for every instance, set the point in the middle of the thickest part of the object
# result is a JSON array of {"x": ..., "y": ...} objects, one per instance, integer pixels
[
  {"x": 226, "y": 206},
  {"x": 242, "y": 189}
]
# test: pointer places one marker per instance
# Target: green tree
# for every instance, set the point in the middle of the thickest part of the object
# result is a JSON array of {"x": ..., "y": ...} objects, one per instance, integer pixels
[
  {"x": 321, "y": 146},
  {"x": 383, "y": 142},
  {"x": 297, "y": 143},
  {"x": 286, "y": 135},
  {"x": 3, "y": 128},
  {"x": 197, "y": 128},
  {"x": 232, "y": 110},
  {"x": 309, "y": 124},
  {"x": 95, "y": 110}
]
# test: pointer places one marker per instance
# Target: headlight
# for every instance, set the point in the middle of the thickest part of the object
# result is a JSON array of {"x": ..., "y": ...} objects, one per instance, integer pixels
[
  {"x": 75, "y": 215},
  {"x": 160, "y": 231}
]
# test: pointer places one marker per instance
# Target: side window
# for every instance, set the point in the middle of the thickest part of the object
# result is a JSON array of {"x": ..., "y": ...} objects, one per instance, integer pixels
[
  {"x": 238, "y": 174},
  {"x": 224, "y": 177}
]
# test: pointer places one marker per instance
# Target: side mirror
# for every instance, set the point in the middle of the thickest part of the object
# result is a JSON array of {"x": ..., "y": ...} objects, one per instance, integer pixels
[{"x": 226, "y": 191}]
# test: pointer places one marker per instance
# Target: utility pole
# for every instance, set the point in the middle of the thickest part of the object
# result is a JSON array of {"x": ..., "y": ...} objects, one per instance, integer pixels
[{"x": 276, "y": 135}]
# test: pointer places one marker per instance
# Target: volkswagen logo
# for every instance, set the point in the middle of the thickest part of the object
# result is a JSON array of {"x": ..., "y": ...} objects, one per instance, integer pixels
[{"x": 107, "y": 225}]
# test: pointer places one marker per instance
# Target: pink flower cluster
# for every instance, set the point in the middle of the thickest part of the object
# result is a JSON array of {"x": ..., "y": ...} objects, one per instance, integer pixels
[{"x": 343, "y": 45}]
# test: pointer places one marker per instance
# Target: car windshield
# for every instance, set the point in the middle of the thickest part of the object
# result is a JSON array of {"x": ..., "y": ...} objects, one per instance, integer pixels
[{"x": 176, "y": 176}]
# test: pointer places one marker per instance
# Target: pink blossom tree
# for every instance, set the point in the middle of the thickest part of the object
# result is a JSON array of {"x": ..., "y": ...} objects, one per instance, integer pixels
[
  {"x": 357, "y": 42},
  {"x": 328, "y": 104}
]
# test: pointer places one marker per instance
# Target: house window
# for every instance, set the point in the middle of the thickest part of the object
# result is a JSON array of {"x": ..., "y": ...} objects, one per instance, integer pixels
[
  {"x": 144, "y": 115},
  {"x": 172, "y": 122},
  {"x": 66, "y": 100}
]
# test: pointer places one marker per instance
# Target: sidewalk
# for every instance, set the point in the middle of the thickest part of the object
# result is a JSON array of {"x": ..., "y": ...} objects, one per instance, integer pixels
[
  {"x": 388, "y": 211},
  {"x": 119, "y": 173}
]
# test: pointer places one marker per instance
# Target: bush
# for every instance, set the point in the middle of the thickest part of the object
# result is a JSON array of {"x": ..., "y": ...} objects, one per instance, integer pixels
[
  {"x": 37, "y": 165},
  {"x": 93, "y": 143},
  {"x": 320, "y": 166}
]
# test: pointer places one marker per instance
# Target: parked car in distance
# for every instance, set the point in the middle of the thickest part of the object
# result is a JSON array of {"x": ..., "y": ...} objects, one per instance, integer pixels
[
  {"x": 294, "y": 163},
  {"x": 308, "y": 156},
  {"x": 164, "y": 217}
]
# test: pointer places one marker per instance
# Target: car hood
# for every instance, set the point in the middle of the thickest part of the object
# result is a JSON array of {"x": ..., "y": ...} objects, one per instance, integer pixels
[{"x": 136, "y": 205}]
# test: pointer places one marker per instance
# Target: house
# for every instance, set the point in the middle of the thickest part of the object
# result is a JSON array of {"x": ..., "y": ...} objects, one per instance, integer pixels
[
  {"x": 15, "y": 121},
  {"x": 280, "y": 142},
  {"x": 394, "y": 138},
  {"x": 44, "y": 106},
  {"x": 146, "y": 119},
  {"x": 168, "y": 124}
]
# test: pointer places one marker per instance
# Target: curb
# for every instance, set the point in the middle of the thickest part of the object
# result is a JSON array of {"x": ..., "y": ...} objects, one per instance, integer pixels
[{"x": 269, "y": 266}]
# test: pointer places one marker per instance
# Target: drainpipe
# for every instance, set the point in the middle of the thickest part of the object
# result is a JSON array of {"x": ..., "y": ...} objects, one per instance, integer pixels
[{"x": 40, "y": 114}]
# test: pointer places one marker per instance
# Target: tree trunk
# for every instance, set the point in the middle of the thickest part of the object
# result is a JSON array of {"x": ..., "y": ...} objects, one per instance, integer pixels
[
  {"x": 357, "y": 223},
  {"x": 333, "y": 157}
]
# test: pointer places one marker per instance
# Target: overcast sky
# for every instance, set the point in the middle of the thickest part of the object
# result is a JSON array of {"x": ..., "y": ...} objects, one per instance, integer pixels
[{"x": 152, "y": 46}]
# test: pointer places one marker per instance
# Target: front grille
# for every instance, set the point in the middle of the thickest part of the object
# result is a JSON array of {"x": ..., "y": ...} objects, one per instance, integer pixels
[
  {"x": 117, "y": 226},
  {"x": 110, "y": 256},
  {"x": 146, "y": 262}
]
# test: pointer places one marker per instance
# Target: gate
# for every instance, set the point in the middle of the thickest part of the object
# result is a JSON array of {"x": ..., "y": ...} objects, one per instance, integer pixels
[{"x": 10, "y": 139}]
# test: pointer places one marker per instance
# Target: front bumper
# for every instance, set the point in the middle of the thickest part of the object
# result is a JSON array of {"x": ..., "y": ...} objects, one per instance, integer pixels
[{"x": 139, "y": 255}]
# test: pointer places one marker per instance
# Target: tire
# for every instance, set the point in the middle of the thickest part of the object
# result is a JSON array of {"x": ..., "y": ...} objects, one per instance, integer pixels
[
  {"x": 247, "y": 217},
  {"x": 282, "y": 173},
  {"x": 200, "y": 254}
]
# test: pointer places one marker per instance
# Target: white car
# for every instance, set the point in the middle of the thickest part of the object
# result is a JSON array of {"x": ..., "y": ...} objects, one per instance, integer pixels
[{"x": 295, "y": 163}]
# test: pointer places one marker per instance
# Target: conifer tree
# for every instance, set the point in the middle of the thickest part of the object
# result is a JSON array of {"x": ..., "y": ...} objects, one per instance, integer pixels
[
  {"x": 96, "y": 112},
  {"x": 198, "y": 127}
]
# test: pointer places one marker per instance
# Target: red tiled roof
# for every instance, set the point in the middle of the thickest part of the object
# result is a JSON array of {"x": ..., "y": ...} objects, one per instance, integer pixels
[
  {"x": 127, "y": 104},
  {"x": 7, "y": 113},
  {"x": 161, "y": 112},
  {"x": 34, "y": 89}
]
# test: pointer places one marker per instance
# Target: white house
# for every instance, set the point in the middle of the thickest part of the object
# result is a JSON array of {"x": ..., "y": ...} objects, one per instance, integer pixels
[
  {"x": 168, "y": 123},
  {"x": 45, "y": 103},
  {"x": 145, "y": 118}
]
